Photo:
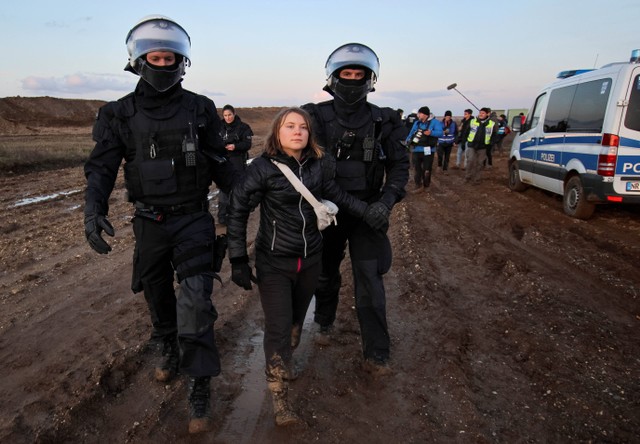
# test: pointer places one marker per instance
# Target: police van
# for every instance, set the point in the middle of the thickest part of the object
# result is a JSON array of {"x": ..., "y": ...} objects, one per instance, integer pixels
[{"x": 581, "y": 139}]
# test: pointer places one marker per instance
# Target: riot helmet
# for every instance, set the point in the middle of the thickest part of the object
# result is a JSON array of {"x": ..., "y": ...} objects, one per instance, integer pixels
[
  {"x": 158, "y": 33},
  {"x": 355, "y": 56}
]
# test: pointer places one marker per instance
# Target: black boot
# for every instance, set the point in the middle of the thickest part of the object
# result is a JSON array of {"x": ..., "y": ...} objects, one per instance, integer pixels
[
  {"x": 171, "y": 362},
  {"x": 200, "y": 419}
]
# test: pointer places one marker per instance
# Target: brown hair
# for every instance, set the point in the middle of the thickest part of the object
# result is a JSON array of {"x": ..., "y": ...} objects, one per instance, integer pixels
[{"x": 273, "y": 146}]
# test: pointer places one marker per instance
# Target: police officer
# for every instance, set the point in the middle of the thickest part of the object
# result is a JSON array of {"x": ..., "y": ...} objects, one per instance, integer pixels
[
  {"x": 237, "y": 136},
  {"x": 169, "y": 139},
  {"x": 372, "y": 165}
]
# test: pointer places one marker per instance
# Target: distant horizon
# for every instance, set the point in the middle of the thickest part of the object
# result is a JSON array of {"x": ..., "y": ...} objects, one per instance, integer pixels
[{"x": 219, "y": 107}]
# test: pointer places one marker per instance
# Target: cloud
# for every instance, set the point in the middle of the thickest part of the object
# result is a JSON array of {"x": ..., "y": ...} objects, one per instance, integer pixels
[
  {"x": 56, "y": 24},
  {"x": 210, "y": 93},
  {"x": 79, "y": 83},
  {"x": 408, "y": 96}
]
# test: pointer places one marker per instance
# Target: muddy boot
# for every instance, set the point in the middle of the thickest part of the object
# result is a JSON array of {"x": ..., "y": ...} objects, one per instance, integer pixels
[
  {"x": 200, "y": 419},
  {"x": 171, "y": 362},
  {"x": 290, "y": 373},
  {"x": 283, "y": 413},
  {"x": 324, "y": 335},
  {"x": 296, "y": 331},
  {"x": 377, "y": 366}
]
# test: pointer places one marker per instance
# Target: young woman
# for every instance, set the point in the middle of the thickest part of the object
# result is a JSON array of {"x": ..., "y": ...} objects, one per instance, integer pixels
[{"x": 288, "y": 244}]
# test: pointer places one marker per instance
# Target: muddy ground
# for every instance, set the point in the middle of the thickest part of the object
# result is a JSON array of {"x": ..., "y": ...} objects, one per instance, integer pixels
[{"x": 510, "y": 322}]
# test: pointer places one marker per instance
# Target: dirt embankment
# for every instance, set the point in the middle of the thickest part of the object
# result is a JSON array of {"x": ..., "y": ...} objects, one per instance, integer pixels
[
  {"x": 510, "y": 322},
  {"x": 35, "y": 115}
]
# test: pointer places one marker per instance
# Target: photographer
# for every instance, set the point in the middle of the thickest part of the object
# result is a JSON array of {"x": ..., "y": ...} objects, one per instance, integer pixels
[
  {"x": 236, "y": 136},
  {"x": 422, "y": 140}
]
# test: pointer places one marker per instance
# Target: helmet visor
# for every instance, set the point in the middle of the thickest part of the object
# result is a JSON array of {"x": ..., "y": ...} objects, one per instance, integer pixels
[
  {"x": 158, "y": 35},
  {"x": 354, "y": 54}
]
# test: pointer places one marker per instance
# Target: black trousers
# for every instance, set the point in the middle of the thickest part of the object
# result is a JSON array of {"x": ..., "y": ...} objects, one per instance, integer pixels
[
  {"x": 422, "y": 167},
  {"x": 444, "y": 154},
  {"x": 190, "y": 314},
  {"x": 286, "y": 289},
  {"x": 370, "y": 253}
]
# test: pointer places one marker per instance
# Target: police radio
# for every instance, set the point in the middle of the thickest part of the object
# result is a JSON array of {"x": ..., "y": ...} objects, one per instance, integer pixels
[
  {"x": 368, "y": 146},
  {"x": 189, "y": 148}
]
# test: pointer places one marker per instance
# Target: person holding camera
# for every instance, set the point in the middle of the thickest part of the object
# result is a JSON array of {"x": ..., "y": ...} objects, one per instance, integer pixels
[
  {"x": 169, "y": 140},
  {"x": 422, "y": 140},
  {"x": 288, "y": 244},
  {"x": 236, "y": 136},
  {"x": 372, "y": 165}
]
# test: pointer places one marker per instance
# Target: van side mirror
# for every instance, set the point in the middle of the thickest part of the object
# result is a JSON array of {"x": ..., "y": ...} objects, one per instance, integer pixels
[{"x": 516, "y": 124}]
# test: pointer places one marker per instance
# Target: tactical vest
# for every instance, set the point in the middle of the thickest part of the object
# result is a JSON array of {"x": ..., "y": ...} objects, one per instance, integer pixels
[
  {"x": 164, "y": 164},
  {"x": 358, "y": 150}
]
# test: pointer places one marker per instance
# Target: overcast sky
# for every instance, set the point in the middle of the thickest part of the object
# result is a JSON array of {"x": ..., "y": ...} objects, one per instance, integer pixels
[{"x": 272, "y": 53}]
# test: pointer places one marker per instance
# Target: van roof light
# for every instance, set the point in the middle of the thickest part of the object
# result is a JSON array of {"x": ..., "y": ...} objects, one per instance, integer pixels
[
  {"x": 571, "y": 73},
  {"x": 635, "y": 56}
]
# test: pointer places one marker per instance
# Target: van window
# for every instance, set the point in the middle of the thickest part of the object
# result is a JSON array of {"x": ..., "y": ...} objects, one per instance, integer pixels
[
  {"x": 557, "y": 117},
  {"x": 534, "y": 116},
  {"x": 589, "y": 107},
  {"x": 578, "y": 108},
  {"x": 632, "y": 120}
]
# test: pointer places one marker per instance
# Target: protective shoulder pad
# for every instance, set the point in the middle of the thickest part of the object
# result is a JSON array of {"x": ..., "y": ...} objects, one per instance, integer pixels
[
  {"x": 125, "y": 106},
  {"x": 325, "y": 111},
  {"x": 203, "y": 104}
]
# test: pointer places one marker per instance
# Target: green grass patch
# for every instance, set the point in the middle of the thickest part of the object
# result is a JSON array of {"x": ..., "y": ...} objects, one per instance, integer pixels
[{"x": 19, "y": 154}]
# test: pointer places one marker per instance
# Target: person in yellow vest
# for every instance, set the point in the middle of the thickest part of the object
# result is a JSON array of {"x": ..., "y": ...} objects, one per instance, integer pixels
[{"x": 481, "y": 136}]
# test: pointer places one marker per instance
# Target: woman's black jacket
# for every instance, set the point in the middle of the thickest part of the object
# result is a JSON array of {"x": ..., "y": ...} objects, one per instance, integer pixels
[{"x": 288, "y": 225}]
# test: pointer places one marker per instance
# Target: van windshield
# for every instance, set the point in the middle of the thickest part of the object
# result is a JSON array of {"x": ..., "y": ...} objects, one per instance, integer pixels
[{"x": 632, "y": 120}]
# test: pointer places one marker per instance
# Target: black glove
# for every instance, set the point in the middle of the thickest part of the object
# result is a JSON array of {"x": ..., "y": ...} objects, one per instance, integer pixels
[
  {"x": 241, "y": 275},
  {"x": 94, "y": 224},
  {"x": 377, "y": 216}
]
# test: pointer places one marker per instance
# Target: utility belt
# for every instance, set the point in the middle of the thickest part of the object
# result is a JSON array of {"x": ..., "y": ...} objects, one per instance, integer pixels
[{"x": 158, "y": 213}]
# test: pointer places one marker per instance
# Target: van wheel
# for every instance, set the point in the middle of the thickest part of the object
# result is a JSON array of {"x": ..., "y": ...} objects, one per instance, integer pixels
[
  {"x": 575, "y": 200},
  {"x": 515, "y": 184}
]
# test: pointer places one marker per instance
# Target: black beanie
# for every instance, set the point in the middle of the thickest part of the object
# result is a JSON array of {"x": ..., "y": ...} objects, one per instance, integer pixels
[
  {"x": 424, "y": 110},
  {"x": 447, "y": 113}
]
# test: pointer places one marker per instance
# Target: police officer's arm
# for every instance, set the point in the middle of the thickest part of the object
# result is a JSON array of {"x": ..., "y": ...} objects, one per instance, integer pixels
[
  {"x": 101, "y": 171},
  {"x": 396, "y": 163},
  {"x": 244, "y": 138}
]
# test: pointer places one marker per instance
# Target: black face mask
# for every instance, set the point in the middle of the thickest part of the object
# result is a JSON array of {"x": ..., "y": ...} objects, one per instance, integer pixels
[
  {"x": 161, "y": 78},
  {"x": 350, "y": 91}
]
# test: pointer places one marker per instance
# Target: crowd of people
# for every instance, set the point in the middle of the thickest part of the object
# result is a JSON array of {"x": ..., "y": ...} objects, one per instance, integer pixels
[
  {"x": 344, "y": 160},
  {"x": 475, "y": 139}
]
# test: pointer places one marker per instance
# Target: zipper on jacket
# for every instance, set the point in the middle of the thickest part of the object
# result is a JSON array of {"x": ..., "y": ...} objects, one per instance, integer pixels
[
  {"x": 304, "y": 220},
  {"x": 273, "y": 239}
]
